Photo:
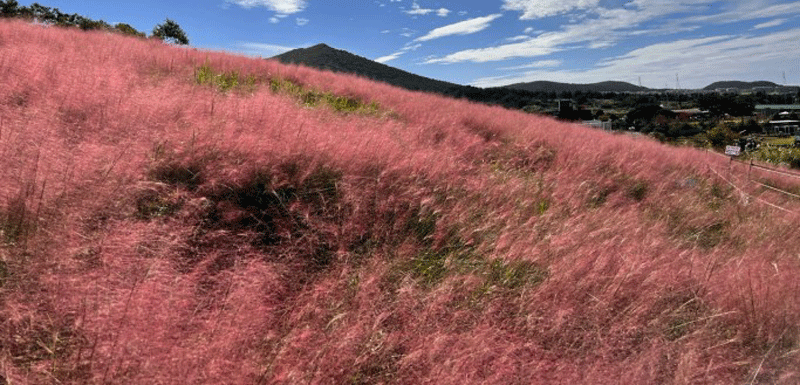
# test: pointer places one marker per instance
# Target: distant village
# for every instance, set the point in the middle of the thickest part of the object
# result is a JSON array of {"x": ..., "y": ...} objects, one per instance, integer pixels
[{"x": 672, "y": 115}]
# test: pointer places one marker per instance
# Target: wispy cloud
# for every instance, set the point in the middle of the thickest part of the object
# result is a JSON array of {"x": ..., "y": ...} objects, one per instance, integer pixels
[
  {"x": 537, "y": 64},
  {"x": 536, "y": 9},
  {"x": 770, "y": 24},
  {"x": 518, "y": 38},
  {"x": 748, "y": 10},
  {"x": 465, "y": 27},
  {"x": 284, "y": 7},
  {"x": 698, "y": 61},
  {"x": 390, "y": 57},
  {"x": 301, "y": 21},
  {"x": 604, "y": 29}
]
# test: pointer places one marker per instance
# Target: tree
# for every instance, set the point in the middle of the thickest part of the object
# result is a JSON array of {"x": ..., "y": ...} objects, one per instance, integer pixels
[
  {"x": 127, "y": 29},
  {"x": 721, "y": 136},
  {"x": 9, "y": 8},
  {"x": 171, "y": 32}
]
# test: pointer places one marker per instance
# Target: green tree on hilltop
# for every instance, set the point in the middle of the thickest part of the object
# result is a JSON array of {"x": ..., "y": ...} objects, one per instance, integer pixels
[
  {"x": 127, "y": 29},
  {"x": 9, "y": 8},
  {"x": 171, "y": 32}
]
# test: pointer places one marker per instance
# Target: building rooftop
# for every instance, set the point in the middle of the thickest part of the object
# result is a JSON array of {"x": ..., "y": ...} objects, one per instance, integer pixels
[{"x": 778, "y": 106}]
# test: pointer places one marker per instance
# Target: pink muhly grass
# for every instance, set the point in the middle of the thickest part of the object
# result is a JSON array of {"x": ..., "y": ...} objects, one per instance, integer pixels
[{"x": 168, "y": 232}]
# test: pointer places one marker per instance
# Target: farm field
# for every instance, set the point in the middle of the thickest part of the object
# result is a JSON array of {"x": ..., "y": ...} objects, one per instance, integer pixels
[
  {"x": 170, "y": 215},
  {"x": 789, "y": 141}
]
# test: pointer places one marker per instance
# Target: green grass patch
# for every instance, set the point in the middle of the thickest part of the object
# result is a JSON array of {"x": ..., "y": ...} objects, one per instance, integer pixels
[
  {"x": 708, "y": 237},
  {"x": 542, "y": 205},
  {"x": 779, "y": 155},
  {"x": 232, "y": 80},
  {"x": 513, "y": 275},
  {"x": 16, "y": 221},
  {"x": 152, "y": 205},
  {"x": 5, "y": 273},
  {"x": 422, "y": 225},
  {"x": 225, "y": 81},
  {"x": 638, "y": 191},
  {"x": 778, "y": 141},
  {"x": 313, "y": 98},
  {"x": 429, "y": 267}
]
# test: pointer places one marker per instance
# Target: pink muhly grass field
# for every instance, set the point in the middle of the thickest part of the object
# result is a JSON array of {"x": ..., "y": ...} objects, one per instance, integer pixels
[{"x": 154, "y": 229}]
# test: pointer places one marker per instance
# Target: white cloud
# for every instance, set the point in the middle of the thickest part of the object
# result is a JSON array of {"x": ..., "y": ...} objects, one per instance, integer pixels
[
  {"x": 536, "y": 9},
  {"x": 408, "y": 32},
  {"x": 408, "y": 47},
  {"x": 301, "y": 21},
  {"x": 416, "y": 10},
  {"x": 284, "y": 7},
  {"x": 698, "y": 62},
  {"x": 465, "y": 27},
  {"x": 749, "y": 10},
  {"x": 387, "y": 58},
  {"x": 769, "y": 24},
  {"x": 537, "y": 64},
  {"x": 262, "y": 49},
  {"x": 605, "y": 30},
  {"x": 518, "y": 38}
]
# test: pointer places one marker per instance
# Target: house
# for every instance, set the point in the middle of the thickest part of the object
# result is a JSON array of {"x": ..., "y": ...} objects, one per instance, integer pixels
[
  {"x": 772, "y": 109},
  {"x": 604, "y": 125},
  {"x": 783, "y": 127},
  {"x": 690, "y": 114}
]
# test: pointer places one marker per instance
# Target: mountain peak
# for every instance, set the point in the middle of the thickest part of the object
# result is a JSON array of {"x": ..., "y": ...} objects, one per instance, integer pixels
[
  {"x": 320, "y": 46},
  {"x": 322, "y": 56}
]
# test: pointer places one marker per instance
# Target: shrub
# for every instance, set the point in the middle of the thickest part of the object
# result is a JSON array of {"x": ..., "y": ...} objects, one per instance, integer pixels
[{"x": 721, "y": 136}]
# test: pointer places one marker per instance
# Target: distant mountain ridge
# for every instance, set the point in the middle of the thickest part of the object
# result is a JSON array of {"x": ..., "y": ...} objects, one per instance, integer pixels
[
  {"x": 739, "y": 85},
  {"x": 608, "y": 86},
  {"x": 745, "y": 85},
  {"x": 322, "y": 56}
]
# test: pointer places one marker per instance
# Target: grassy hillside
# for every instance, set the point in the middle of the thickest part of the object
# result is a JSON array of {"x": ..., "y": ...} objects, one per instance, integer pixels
[
  {"x": 739, "y": 84},
  {"x": 175, "y": 216}
]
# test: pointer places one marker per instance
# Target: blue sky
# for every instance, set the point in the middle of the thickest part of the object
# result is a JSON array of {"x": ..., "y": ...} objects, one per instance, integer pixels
[{"x": 665, "y": 43}]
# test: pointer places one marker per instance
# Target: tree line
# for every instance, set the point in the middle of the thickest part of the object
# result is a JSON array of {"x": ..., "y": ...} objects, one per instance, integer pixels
[{"x": 168, "y": 31}]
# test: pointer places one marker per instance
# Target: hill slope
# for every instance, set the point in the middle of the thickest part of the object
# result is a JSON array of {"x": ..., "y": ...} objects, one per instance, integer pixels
[
  {"x": 608, "y": 86},
  {"x": 324, "y": 57},
  {"x": 738, "y": 84},
  {"x": 176, "y": 216}
]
